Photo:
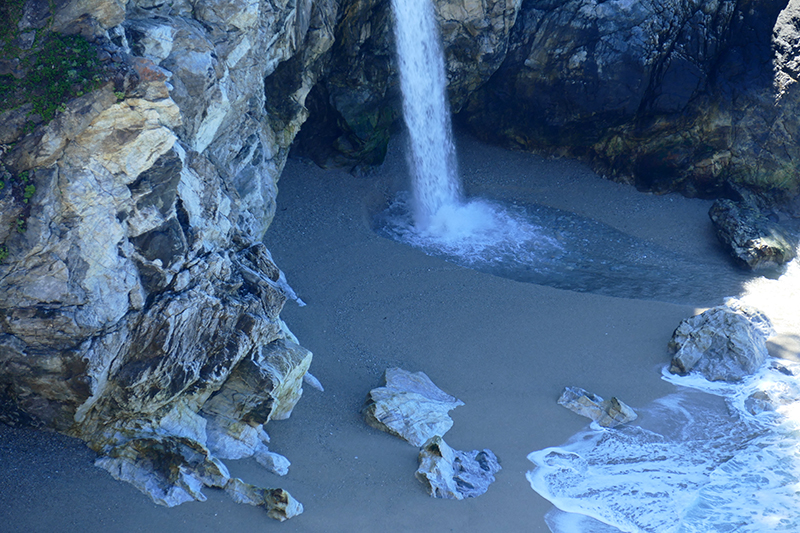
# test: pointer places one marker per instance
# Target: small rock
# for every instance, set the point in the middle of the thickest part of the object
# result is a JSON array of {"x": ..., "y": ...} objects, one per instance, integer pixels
[
  {"x": 312, "y": 381},
  {"x": 607, "y": 413},
  {"x": 724, "y": 343},
  {"x": 410, "y": 406},
  {"x": 171, "y": 470},
  {"x": 26, "y": 40},
  {"x": 453, "y": 474},
  {"x": 759, "y": 402},
  {"x": 274, "y": 462},
  {"x": 278, "y": 503}
]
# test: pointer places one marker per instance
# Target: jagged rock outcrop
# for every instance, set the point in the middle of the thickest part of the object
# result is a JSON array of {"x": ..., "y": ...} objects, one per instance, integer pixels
[
  {"x": 754, "y": 241},
  {"x": 410, "y": 406},
  {"x": 679, "y": 95},
  {"x": 453, "y": 474},
  {"x": 608, "y": 413},
  {"x": 724, "y": 343},
  {"x": 139, "y": 310}
]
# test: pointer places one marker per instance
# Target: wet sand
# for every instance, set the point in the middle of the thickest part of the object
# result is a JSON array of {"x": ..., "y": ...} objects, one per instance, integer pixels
[{"x": 506, "y": 349}]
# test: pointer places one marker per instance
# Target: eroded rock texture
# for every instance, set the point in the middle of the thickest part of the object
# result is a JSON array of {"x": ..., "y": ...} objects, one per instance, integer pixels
[
  {"x": 410, "y": 406},
  {"x": 608, "y": 413},
  {"x": 139, "y": 310},
  {"x": 453, "y": 474},
  {"x": 358, "y": 101},
  {"x": 678, "y": 95},
  {"x": 682, "y": 95},
  {"x": 752, "y": 238},
  {"x": 724, "y": 343}
]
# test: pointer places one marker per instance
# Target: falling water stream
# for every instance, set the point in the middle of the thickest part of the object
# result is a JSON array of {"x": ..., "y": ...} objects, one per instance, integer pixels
[
  {"x": 425, "y": 110},
  {"x": 437, "y": 217}
]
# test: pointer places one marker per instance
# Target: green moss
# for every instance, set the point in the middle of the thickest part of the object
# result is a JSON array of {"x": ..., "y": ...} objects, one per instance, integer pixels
[
  {"x": 3, "y": 253},
  {"x": 65, "y": 67},
  {"x": 28, "y": 193},
  {"x": 56, "y": 69},
  {"x": 10, "y": 10}
]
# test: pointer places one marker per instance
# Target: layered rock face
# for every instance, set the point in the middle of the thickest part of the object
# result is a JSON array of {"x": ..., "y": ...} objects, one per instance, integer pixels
[
  {"x": 680, "y": 95},
  {"x": 139, "y": 310}
]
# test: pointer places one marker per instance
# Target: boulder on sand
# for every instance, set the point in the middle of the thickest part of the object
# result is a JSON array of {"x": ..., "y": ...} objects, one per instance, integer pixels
[
  {"x": 754, "y": 241},
  {"x": 410, "y": 406},
  {"x": 724, "y": 343},
  {"x": 453, "y": 474},
  {"x": 607, "y": 413}
]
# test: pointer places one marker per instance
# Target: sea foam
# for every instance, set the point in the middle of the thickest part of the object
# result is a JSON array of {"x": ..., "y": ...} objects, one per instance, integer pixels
[{"x": 698, "y": 461}]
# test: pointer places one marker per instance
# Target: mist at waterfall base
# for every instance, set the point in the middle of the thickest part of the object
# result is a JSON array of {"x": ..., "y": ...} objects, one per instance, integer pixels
[{"x": 436, "y": 217}]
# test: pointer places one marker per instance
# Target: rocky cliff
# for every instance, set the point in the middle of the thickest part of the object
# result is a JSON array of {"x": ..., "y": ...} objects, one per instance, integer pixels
[
  {"x": 684, "y": 95},
  {"x": 357, "y": 102},
  {"x": 681, "y": 95},
  {"x": 139, "y": 310}
]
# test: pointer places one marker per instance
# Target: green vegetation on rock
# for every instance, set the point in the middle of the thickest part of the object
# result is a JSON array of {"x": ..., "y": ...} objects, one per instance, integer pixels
[
  {"x": 65, "y": 67},
  {"x": 60, "y": 68},
  {"x": 49, "y": 72}
]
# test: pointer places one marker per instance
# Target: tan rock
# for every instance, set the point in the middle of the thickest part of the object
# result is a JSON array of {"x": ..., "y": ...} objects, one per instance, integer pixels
[
  {"x": 278, "y": 503},
  {"x": 607, "y": 413}
]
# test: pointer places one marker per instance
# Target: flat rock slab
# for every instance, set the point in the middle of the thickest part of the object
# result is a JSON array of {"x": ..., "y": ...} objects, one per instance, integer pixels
[
  {"x": 410, "y": 406},
  {"x": 724, "y": 343},
  {"x": 607, "y": 413},
  {"x": 453, "y": 474}
]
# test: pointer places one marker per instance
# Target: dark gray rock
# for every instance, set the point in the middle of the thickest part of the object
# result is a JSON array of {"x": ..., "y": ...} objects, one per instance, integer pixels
[
  {"x": 754, "y": 241},
  {"x": 678, "y": 95},
  {"x": 358, "y": 101}
]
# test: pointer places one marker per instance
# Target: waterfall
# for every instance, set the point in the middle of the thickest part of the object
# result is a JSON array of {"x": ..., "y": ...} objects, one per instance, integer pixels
[
  {"x": 425, "y": 109},
  {"x": 437, "y": 218}
]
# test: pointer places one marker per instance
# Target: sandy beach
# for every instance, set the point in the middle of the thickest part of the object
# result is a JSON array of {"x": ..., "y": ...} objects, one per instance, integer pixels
[{"x": 507, "y": 349}]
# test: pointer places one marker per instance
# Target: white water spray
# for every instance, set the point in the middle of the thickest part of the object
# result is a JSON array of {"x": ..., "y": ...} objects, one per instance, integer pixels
[{"x": 442, "y": 220}]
